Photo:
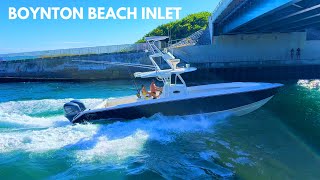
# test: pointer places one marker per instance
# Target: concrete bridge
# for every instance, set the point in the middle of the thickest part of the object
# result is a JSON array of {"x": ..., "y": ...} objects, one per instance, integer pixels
[
  {"x": 259, "y": 40},
  {"x": 264, "y": 16},
  {"x": 259, "y": 30}
]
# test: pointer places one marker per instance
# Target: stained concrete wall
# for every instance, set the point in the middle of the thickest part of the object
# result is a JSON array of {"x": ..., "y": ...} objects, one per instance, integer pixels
[
  {"x": 263, "y": 57},
  {"x": 69, "y": 68},
  {"x": 258, "y": 47}
]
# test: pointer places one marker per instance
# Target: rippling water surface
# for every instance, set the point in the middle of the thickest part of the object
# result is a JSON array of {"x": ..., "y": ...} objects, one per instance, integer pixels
[{"x": 279, "y": 141}]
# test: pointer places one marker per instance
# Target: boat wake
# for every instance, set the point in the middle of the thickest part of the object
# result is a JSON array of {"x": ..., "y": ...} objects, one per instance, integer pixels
[
  {"x": 35, "y": 113},
  {"x": 47, "y": 115},
  {"x": 38, "y": 127},
  {"x": 310, "y": 84}
]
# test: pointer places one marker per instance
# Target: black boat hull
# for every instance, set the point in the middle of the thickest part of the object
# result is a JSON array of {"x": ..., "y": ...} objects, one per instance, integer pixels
[{"x": 211, "y": 104}]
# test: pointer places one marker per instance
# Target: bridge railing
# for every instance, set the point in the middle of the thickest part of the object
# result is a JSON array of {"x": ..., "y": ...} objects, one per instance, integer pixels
[
  {"x": 75, "y": 52},
  {"x": 215, "y": 12},
  {"x": 188, "y": 41}
]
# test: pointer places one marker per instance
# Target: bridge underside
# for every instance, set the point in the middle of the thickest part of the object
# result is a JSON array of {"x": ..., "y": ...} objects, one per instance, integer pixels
[{"x": 266, "y": 16}]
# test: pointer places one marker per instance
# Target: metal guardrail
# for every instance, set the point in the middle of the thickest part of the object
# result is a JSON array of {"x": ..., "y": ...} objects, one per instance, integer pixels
[
  {"x": 188, "y": 41},
  {"x": 75, "y": 52}
]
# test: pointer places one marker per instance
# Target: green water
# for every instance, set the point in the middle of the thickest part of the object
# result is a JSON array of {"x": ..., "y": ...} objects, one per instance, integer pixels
[{"x": 279, "y": 141}]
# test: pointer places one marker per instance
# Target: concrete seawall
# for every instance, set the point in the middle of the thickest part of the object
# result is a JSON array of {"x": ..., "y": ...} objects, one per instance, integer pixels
[
  {"x": 259, "y": 57},
  {"x": 252, "y": 48},
  {"x": 65, "y": 68}
]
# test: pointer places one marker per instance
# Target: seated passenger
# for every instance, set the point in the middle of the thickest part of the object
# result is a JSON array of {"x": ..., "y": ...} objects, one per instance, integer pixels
[
  {"x": 143, "y": 92},
  {"x": 154, "y": 89}
]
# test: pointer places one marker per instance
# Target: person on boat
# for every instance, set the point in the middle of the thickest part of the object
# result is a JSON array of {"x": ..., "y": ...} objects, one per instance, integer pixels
[
  {"x": 144, "y": 93},
  {"x": 153, "y": 90}
]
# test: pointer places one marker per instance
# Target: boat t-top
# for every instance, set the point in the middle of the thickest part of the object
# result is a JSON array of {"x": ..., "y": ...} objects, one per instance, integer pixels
[{"x": 175, "y": 98}]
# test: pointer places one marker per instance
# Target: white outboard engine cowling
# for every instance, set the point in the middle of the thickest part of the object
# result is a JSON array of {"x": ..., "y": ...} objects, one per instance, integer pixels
[{"x": 73, "y": 108}]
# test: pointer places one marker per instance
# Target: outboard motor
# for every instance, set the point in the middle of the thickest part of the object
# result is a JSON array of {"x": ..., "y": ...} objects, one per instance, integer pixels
[
  {"x": 80, "y": 104},
  {"x": 73, "y": 108}
]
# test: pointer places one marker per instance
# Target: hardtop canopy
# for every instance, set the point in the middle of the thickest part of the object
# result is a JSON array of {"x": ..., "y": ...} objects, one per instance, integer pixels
[{"x": 164, "y": 73}]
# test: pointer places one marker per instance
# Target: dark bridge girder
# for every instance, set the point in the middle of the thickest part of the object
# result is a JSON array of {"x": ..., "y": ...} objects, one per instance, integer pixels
[
  {"x": 262, "y": 16},
  {"x": 286, "y": 19},
  {"x": 286, "y": 25}
]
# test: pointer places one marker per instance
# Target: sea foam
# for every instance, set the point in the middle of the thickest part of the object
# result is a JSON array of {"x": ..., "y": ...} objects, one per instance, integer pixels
[
  {"x": 89, "y": 143},
  {"x": 36, "y": 113}
]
